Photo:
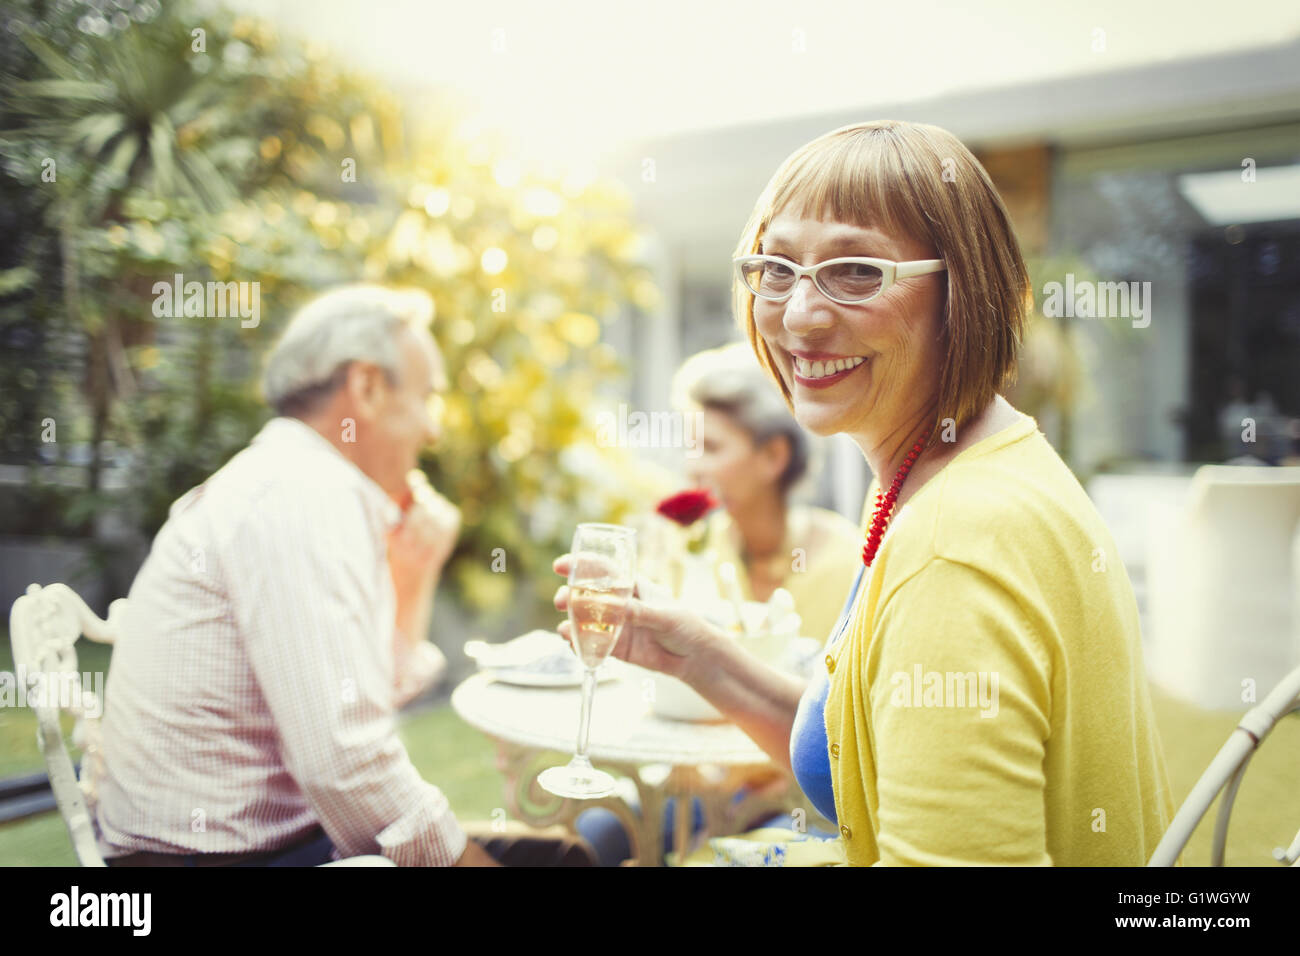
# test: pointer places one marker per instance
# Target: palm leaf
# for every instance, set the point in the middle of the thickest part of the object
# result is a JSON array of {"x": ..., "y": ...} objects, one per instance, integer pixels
[
  {"x": 38, "y": 131},
  {"x": 213, "y": 188},
  {"x": 94, "y": 132},
  {"x": 119, "y": 164},
  {"x": 109, "y": 177},
  {"x": 62, "y": 90},
  {"x": 162, "y": 145},
  {"x": 199, "y": 99},
  {"x": 52, "y": 59}
]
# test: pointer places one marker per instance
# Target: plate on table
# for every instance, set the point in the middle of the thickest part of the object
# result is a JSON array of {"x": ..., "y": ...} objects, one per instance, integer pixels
[{"x": 536, "y": 659}]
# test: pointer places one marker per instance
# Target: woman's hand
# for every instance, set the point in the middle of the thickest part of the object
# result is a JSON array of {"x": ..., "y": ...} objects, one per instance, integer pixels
[
  {"x": 661, "y": 638},
  {"x": 759, "y": 699}
]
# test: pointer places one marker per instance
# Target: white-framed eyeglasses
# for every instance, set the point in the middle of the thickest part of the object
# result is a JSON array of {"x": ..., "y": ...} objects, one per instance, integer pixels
[{"x": 850, "y": 280}]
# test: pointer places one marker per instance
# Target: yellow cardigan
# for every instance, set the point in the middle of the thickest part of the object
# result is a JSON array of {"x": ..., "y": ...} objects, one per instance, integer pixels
[{"x": 989, "y": 703}]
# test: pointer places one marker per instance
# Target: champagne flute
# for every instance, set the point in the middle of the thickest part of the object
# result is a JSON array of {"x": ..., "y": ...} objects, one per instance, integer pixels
[{"x": 602, "y": 571}]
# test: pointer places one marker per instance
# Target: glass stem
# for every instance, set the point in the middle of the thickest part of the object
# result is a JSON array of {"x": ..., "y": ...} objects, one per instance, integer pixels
[{"x": 584, "y": 723}]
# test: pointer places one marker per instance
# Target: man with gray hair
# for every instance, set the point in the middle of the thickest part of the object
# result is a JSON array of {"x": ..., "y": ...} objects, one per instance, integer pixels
[{"x": 280, "y": 621}]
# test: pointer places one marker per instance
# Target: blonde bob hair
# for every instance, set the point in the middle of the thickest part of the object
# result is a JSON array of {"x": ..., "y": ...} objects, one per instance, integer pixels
[{"x": 918, "y": 181}]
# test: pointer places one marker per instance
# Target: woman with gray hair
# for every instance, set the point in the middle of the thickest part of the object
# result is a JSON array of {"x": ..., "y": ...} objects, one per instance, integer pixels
[{"x": 753, "y": 454}]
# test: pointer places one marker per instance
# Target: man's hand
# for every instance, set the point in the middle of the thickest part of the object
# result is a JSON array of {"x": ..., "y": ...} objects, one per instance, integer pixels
[{"x": 421, "y": 544}]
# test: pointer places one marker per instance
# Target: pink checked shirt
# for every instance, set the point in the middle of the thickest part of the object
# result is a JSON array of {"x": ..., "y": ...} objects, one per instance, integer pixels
[{"x": 253, "y": 691}]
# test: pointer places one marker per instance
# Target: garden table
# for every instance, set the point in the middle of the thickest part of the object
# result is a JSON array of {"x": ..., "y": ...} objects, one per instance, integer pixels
[{"x": 536, "y": 727}]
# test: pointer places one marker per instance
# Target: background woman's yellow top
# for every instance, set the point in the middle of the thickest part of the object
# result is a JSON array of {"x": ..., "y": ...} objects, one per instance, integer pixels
[
  {"x": 820, "y": 581},
  {"x": 999, "y": 566}
]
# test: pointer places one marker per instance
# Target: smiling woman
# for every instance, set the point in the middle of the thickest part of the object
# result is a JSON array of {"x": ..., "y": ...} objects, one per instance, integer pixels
[
  {"x": 983, "y": 699},
  {"x": 898, "y": 192},
  {"x": 984, "y": 572}
]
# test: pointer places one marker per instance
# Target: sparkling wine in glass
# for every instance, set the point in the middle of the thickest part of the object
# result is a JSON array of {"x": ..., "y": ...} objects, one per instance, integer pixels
[{"x": 602, "y": 570}]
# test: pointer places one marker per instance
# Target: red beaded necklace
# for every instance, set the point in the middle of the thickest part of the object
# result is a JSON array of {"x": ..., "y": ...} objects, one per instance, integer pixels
[{"x": 885, "y": 501}]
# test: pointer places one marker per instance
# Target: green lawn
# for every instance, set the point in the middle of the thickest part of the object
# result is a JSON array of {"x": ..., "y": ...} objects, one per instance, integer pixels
[
  {"x": 462, "y": 762},
  {"x": 18, "y": 750},
  {"x": 1266, "y": 813}
]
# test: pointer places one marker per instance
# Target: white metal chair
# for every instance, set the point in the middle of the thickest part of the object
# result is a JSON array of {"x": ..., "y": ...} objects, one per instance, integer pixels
[
  {"x": 1228, "y": 767},
  {"x": 44, "y": 626}
]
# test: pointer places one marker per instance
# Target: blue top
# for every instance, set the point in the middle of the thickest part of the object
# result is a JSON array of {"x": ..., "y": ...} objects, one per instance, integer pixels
[{"x": 809, "y": 758}]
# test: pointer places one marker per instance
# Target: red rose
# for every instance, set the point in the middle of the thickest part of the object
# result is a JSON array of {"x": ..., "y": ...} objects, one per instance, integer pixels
[{"x": 687, "y": 507}]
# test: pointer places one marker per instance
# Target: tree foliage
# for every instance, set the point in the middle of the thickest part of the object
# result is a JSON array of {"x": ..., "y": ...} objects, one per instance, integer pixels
[{"x": 256, "y": 159}]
